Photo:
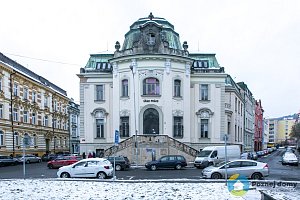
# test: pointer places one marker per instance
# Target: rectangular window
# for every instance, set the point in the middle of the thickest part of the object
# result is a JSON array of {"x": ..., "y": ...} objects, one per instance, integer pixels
[
  {"x": 15, "y": 115},
  {"x": 33, "y": 96},
  {"x": 25, "y": 116},
  {"x": 25, "y": 93},
  {"x": 99, "y": 128},
  {"x": 33, "y": 119},
  {"x": 124, "y": 127},
  {"x": 46, "y": 101},
  {"x": 177, "y": 86},
  {"x": 1, "y": 84},
  {"x": 125, "y": 88},
  {"x": 55, "y": 105},
  {"x": 151, "y": 86},
  {"x": 17, "y": 140},
  {"x": 1, "y": 111},
  {"x": 54, "y": 123},
  {"x": 204, "y": 92},
  {"x": 178, "y": 127},
  {"x": 46, "y": 121},
  {"x": 99, "y": 92},
  {"x": 16, "y": 89},
  {"x": 74, "y": 132},
  {"x": 1, "y": 138},
  {"x": 204, "y": 128}
]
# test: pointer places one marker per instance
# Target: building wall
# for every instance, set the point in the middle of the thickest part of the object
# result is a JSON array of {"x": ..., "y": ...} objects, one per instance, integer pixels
[
  {"x": 284, "y": 129},
  {"x": 33, "y": 104}
]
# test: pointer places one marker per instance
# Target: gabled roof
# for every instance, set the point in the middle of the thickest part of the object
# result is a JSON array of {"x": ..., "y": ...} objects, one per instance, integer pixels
[{"x": 30, "y": 74}]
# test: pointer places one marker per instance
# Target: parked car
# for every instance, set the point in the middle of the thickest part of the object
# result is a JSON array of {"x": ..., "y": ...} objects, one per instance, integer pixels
[
  {"x": 62, "y": 161},
  {"x": 211, "y": 155},
  {"x": 7, "y": 160},
  {"x": 48, "y": 157},
  {"x": 260, "y": 153},
  {"x": 248, "y": 168},
  {"x": 170, "y": 161},
  {"x": 91, "y": 167},
  {"x": 122, "y": 162},
  {"x": 29, "y": 159},
  {"x": 290, "y": 158},
  {"x": 249, "y": 155}
]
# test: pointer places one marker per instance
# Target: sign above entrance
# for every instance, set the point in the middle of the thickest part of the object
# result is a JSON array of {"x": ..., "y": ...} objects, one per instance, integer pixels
[{"x": 152, "y": 100}]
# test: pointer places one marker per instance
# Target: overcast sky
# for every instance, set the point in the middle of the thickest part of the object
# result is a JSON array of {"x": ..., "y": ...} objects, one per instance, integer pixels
[{"x": 257, "y": 41}]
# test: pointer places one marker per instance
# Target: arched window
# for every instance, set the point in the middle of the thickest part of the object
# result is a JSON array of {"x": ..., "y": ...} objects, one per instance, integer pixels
[
  {"x": 66, "y": 142},
  {"x": 151, "y": 86},
  {"x": 125, "y": 88},
  {"x": 177, "y": 88}
]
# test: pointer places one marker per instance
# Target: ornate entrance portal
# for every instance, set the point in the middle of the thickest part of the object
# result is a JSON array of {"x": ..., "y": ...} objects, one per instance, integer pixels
[{"x": 151, "y": 121}]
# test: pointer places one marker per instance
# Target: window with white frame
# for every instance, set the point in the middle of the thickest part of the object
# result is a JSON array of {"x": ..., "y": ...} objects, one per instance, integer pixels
[
  {"x": 35, "y": 140},
  {"x": 15, "y": 114},
  {"x": 58, "y": 124},
  {"x": 99, "y": 93},
  {"x": 17, "y": 139},
  {"x": 1, "y": 84},
  {"x": 46, "y": 101},
  {"x": 25, "y": 116},
  {"x": 125, "y": 88},
  {"x": 99, "y": 128},
  {"x": 74, "y": 132},
  {"x": 124, "y": 126},
  {"x": 151, "y": 86},
  {"x": 46, "y": 123},
  {"x": 61, "y": 142},
  {"x": 177, "y": 88},
  {"x": 204, "y": 92},
  {"x": 33, "y": 118},
  {"x": 25, "y": 93},
  {"x": 55, "y": 105},
  {"x": 66, "y": 142},
  {"x": 16, "y": 89},
  {"x": 1, "y": 111},
  {"x": 54, "y": 123},
  {"x": 204, "y": 128},
  {"x": 178, "y": 126},
  {"x": 1, "y": 138},
  {"x": 33, "y": 96}
]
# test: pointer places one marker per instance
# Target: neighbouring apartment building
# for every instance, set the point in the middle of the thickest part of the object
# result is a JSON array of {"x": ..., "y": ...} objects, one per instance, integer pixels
[
  {"x": 74, "y": 127},
  {"x": 258, "y": 133},
  {"x": 31, "y": 105},
  {"x": 160, "y": 98}
]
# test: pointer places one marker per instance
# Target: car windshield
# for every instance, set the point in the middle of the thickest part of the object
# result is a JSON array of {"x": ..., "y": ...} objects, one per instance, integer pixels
[
  {"x": 289, "y": 156},
  {"x": 204, "y": 153},
  {"x": 220, "y": 164}
]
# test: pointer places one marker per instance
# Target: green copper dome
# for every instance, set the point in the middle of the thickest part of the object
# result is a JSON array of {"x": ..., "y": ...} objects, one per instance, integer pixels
[{"x": 162, "y": 29}]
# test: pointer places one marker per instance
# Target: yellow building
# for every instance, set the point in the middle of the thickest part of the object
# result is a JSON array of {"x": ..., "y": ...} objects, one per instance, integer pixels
[
  {"x": 284, "y": 128},
  {"x": 39, "y": 109}
]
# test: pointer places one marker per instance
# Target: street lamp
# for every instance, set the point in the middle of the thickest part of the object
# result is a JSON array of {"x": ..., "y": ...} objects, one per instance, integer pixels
[{"x": 135, "y": 127}]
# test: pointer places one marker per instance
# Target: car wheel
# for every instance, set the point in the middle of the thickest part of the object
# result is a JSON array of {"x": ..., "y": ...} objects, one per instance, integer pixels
[
  {"x": 65, "y": 175},
  {"x": 118, "y": 168},
  {"x": 178, "y": 166},
  {"x": 256, "y": 176},
  {"x": 153, "y": 167},
  {"x": 50, "y": 166},
  {"x": 28, "y": 161},
  {"x": 40, "y": 161},
  {"x": 101, "y": 175},
  {"x": 216, "y": 176}
]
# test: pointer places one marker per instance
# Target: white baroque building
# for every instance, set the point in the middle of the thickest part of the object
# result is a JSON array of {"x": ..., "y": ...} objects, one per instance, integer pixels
[{"x": 161, "y": 98}]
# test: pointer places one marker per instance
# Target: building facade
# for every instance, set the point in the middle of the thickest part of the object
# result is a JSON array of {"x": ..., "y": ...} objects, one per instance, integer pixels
[
  {"x": 31, "y": 105},
  {"x": 74, "y": 112},
  {"x": 249, "y": 117},
  {"x": 159, "y": 97},
  {"x": 258, "y": 134}
]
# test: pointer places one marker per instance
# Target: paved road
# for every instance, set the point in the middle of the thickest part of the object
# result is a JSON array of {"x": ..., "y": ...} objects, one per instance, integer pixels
[{"x": 40, "y": 170}]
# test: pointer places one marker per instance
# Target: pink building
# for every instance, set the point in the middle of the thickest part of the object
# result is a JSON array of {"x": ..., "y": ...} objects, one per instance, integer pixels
[{"x": 258, "y": 133}]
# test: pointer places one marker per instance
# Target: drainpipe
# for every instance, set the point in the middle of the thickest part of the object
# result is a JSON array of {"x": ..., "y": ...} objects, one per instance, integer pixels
[{"x": 11, "y": 111}]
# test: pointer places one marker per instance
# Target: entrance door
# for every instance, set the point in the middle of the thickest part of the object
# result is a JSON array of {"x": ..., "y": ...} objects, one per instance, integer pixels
[{"x": 151, "y": 121}]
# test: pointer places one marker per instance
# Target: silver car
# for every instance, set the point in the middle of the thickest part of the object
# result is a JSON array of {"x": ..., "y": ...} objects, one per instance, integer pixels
[
  {"x": 248, "y": 168},
  {"x": 30, "y": 159},
  {"x": 290, "y": 158}
]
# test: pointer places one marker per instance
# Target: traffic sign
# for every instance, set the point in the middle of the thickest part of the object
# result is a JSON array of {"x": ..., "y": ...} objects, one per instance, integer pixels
[{"x": 117, "y": 137}]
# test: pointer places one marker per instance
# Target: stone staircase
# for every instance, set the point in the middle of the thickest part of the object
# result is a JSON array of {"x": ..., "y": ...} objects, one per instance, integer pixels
[{"x": 151, "y": 147}]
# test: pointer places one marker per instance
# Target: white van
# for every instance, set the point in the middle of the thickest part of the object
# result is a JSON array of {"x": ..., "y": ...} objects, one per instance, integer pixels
[{"x": 215, "y": 154}]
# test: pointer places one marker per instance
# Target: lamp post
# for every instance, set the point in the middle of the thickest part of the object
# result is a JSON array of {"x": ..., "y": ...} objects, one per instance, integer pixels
[{"x": 135, "y": 127}]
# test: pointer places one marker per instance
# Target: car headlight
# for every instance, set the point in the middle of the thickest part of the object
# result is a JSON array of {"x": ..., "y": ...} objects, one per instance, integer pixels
[{"x": 207, "y": 170}]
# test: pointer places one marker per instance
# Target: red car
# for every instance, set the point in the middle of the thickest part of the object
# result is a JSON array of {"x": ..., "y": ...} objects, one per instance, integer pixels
[{"x": 62, "y": 161}]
